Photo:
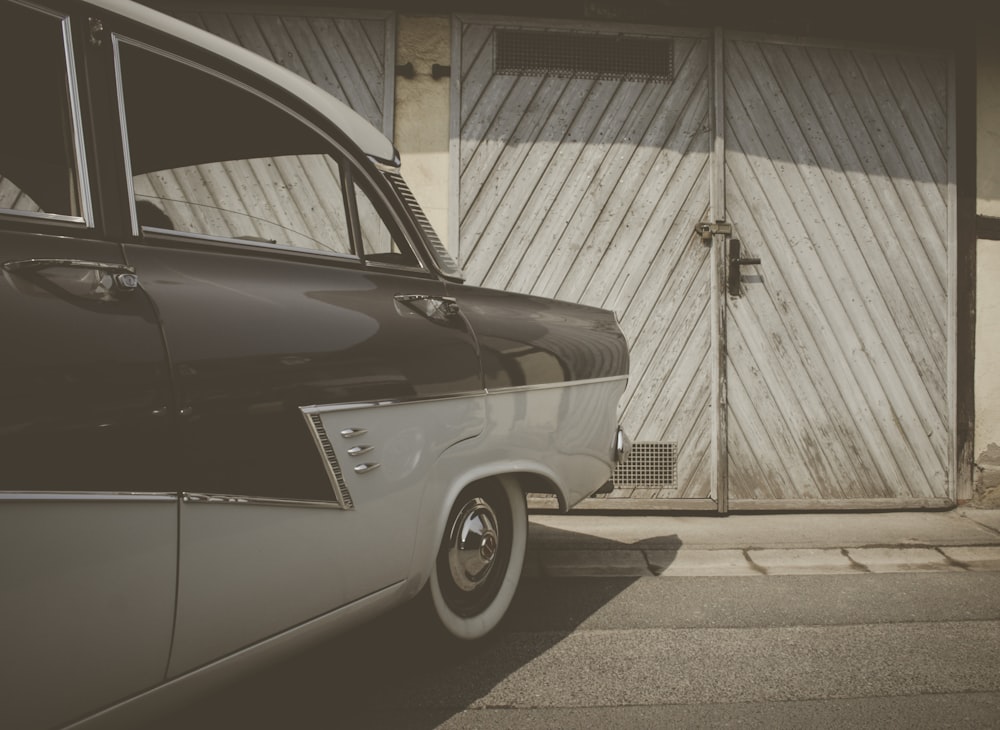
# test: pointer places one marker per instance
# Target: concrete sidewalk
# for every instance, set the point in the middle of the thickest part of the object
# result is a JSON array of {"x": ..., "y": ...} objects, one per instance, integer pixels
[{"x": 589, "y": 545}]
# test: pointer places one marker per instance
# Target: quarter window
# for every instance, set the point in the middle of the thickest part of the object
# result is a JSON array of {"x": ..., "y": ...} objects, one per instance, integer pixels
[
  {"x": 380, "y": 241},
  {"x": 41, "y": 159}
]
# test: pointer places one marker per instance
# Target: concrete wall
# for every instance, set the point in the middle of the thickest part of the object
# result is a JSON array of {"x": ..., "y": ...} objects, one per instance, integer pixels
[
  {"x": 422, "y": 112},
  {"x": 987, "y": 448}
]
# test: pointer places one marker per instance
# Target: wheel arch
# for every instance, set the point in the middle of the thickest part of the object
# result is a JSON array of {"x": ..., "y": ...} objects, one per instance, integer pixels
[{"x": 441, "y": 497}]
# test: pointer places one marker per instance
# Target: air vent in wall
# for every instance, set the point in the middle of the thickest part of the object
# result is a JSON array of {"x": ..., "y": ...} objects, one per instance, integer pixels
[
  {"x": 583, "y": 55},
  {"x": 650, "y": 464}
]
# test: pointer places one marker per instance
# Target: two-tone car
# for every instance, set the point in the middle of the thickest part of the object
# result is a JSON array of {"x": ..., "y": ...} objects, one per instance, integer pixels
[{"x": 246, "y": 399}]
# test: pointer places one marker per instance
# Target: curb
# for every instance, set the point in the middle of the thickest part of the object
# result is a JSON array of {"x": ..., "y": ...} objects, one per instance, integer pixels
[{"x": 694, "y": 562}]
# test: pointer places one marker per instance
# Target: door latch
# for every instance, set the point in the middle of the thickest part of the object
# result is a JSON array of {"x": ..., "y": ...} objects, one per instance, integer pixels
[
  {"x": 735, "y": 262},
  {"x": 707, "y": 230}
]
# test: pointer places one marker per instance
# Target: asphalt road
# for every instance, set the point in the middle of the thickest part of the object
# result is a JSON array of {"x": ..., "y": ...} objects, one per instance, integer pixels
[{"x": 900, "y": 650}]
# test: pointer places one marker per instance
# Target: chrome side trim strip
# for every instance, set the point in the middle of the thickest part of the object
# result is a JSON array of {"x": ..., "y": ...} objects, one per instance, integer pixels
[
  {"x": 315, "y": 409},
  {"x": 50, "y": 496},
  {"x": 330, "y": 462},
  {"x": 235, "y": 499},
  {"x": 564, "y": 384},
  {"x": 356, "y": 405}
]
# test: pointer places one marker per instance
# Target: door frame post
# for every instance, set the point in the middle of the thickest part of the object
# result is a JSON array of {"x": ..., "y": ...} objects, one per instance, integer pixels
[{"x": 717, "y": 212}]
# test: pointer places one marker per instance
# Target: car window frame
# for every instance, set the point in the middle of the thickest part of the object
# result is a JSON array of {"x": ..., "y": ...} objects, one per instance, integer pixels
[
  {"x": 75, "y": 122},
  {"x": 351, "y": 173}
]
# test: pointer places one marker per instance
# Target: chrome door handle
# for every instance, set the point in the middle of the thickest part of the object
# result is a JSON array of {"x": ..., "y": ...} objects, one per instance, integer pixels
[
  {"x": 124, "y": 277},
  {"x": 435, "y": 308}
]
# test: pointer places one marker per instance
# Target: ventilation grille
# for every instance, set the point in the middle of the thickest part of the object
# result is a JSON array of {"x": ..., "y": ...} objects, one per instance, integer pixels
[
  {"x": 583, "y": 55},
  {"x": 649, "y": 464}
]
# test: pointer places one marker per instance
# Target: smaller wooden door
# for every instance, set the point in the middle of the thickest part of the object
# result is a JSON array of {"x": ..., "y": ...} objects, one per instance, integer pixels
[{"x": 837, "y": 342}]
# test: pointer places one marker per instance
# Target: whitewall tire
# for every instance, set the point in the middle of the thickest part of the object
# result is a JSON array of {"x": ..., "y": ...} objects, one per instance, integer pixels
[{"x": 479, "y": 562}]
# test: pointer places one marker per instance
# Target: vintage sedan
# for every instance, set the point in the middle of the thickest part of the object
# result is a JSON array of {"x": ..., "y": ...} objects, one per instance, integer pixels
[{"x": 247, "y": 399}]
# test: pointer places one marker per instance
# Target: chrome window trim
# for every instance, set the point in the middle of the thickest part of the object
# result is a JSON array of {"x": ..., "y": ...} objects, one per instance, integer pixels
[
  {"x": 58, "y": 496},
  {"x": 123, "y": 129},
  {"x": 417, "y": 268},
  {"x": 236, "y": 499},
  {"x": 76, "y": 110},
  {"x": 81, "y": 172},
  {"x": 173, "y": 233},
  {"x": 384, "y": 208},
  {"x": 385, "y": 165},
  {"x": 41, "y": 216}
]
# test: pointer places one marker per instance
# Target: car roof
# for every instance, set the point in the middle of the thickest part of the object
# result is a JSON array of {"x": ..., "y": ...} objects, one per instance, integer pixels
[{"x": 362, "y": 133}]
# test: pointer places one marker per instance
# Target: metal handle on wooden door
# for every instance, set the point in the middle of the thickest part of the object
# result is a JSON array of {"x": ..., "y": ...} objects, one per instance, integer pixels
[{"x": 735, "y": 262}]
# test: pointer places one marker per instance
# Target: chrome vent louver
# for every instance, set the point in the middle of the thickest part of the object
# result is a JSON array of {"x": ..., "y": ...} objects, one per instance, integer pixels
[{"x": 342, "y": 494}]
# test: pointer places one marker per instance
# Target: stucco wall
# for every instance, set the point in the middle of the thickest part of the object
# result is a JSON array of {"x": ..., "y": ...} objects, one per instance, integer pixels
[
  {"x": 987, "y": 446},
  {"x": 422, "y": 111}
]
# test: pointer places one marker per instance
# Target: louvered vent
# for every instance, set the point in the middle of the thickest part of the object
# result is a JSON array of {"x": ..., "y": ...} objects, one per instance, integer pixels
[
  {"x": 449, "y": 267},
  {"x": 583, "y": 55},
  {"x": 319, "y": 432},
  {"x": 650, "y": 464}
]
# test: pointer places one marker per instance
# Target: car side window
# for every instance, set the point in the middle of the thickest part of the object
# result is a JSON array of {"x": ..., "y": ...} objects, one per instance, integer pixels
[
  {"x": 381, "y": 241},
  {"x": 210, "y": 157},
  {"x": 41, "y": 155}
]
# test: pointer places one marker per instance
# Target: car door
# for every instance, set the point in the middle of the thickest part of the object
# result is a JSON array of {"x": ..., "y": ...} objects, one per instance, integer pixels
[
  {"x": 296, "y": 312},
  {"x": 88, "y": 527}
]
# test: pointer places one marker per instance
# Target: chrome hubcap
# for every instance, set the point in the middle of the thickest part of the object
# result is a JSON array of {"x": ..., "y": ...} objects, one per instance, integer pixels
[{"x": 473, "y": 544}]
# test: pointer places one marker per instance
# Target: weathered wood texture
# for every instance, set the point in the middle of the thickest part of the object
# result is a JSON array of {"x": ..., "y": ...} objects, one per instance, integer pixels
[
  {"x": 837, "y": 177},
  {"x": 836, "y": 164},
  {"x": 589, "y": 190}
]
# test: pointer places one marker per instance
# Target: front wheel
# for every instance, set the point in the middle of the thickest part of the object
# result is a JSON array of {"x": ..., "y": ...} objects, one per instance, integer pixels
[{"x": 478, "y": 565}]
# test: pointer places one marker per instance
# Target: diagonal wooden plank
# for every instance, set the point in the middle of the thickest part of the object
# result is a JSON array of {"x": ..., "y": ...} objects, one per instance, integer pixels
[
  {"x": 865, "y": 219},
  {"x": 783, "y": 185},
  {"x": 841, "y": 253}
]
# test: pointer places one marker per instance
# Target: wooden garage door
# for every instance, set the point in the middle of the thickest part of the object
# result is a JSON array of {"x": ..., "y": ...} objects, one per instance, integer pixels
[
  {"x": 587, "y": 188},
  {"x": 825, "y": 381},
  {"x": 837, "y": 177}
]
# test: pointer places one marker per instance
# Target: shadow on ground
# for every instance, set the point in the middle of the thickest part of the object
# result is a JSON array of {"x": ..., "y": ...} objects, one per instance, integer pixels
[{"x": 394, "y": 672}]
